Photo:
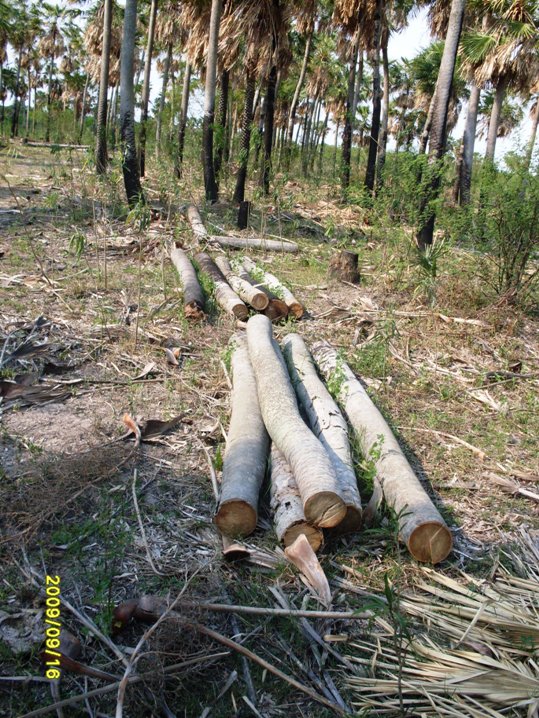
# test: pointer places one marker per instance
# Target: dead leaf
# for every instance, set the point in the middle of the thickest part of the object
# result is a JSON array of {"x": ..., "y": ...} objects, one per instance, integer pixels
[
  {"x": 155, "y": 427},
  {"x": 33, "y": 394},
  {"x": 171, "y": 358},
  {"x": 148, "y": 369},
  {"x": 133, "y": 426},
  {"x": 301, "y": 554}
]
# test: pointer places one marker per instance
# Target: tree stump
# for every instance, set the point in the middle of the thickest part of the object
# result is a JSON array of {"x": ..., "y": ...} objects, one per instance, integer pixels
[
  {"x": 243, "y": 214},
  {"x": 343, "y": 266}
]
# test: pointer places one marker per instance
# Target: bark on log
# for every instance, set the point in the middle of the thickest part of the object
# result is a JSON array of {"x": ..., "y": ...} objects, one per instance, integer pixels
[
  {"x": 244, "y": 289},
  {"x": 273, "y": 284},
  {"x": 197, "y": 225},
  {"x": 287, "y": 506},
  {"x": 343, "y": 266},
  {"x": 420, "y": 524},
  {"x": 246, "y": 454},
  {"x": 327, "y": 424},
  {"x": 310, "y": 464},
  {"x": 273, "y": 245},
  {"x": 276, "y": 309},
  {"x": 225, "y": 296},
  {"x": 193, "y": 298}
]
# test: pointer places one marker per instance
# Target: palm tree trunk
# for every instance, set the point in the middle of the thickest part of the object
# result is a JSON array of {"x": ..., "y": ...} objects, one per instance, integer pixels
[
  {"x": 295, "y": 100},
  {"x": 370, "y": 174},
  {"x": 268, "y": 128},
  {"x": 16, "y": 100},
  {"x": 221, "y": 122},
  {"x": 101, "y": 155},
  {"x": 382, "y": 147},
  {"x": 424, "y": 140},
  {"x": 210, "y": 183},
  {"x": 335, "y": 147},
  {"x": 130, "y": 165},
  {"x": 495, "y": 114},
  {"x": 533, "y": 134},
  {"x": 83, "y": 108},
  {"x": 468, "y": 142},
  {"x": 245, "y": 143},
  {"x": 183, "y": 120},
  {"x": 348, "y": 122},
  {"x": 166, "y": 70},
  {"x": 323, "y": 143},
  {"x": 28, "y": 105},
  {"x": 439, "y": 124},
  {"x": 145, "y": 100},
  {"x": 49, "y": 92}
]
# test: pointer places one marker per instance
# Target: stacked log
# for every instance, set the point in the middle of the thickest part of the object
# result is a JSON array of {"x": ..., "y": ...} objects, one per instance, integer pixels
[
  {"x": 246, "y": 453},
  {"x": 193, "y": 298},
  {"x": 314, "y": 473},
  {"x": 274, "y": 285},
  {"x": 244, "y": 289},
  {"x": 225, "y": 296},
  {"x": 327, "y": 423},
  {"x": 421, "y": 526},
  {"x": 276, "y": 308}
]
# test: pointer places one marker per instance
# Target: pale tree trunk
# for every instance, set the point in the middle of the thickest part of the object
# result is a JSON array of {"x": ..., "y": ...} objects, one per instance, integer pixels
[
  {"x": 437, "y": 142},
  {"x": 16, "y": 99},
  {"x": 101, "y": 158},
  {"x": 381, "y": 158},
  {"x": 533, "y": 134},
  {"x": 210, "y": 183},
  {"x": 295, "y": 100},
  {"x": 251, "y": 295},
  {"x": 130, "y": 166},
  {"x": 268, "y": 129},
  {"x": 246, "y": 453},
  {"x": 225, "y": 296},
  {"x": 468, "y": 142},
  {"x": 49, "y": 92},
  {"x": 348, "y": 122},
  {"x": 183, "y": 120},
  {"x": 166, "y": 70},
  {"x": 304, "y": 453},
  {"x": 499, "y": 96},
  {"x": 370, "y": 174},
  {"x": 193, "y": 297},
  {"x": 424, "y": 139},
  {"x": 145, "y": 100},
  {"x": 245, "y": 143},
  {"x": 83, "y": 108}
]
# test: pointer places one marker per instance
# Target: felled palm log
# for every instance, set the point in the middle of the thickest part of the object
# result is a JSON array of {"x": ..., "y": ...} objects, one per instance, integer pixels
[
  {"x": 273, "y": 284},
  {"x": 244, "y": 289},
  {"x": 193, "y": 298},
  {"x": 421, "y": 527},
  {"x": 327, "y": 423},
  {"x": 287, "y": 506},
  {"x": 246, "y": 454},
  {"x": 225, "y": 296},
  {"x": 195, "y": 220},
  {"x": 308, "y": 460},
  {"x": 276, "y": 308},
  {"x": 270, "y": 245}
]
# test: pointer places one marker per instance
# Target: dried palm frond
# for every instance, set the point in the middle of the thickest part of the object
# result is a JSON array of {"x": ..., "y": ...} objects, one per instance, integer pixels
[{"x": 473, "y": 653}]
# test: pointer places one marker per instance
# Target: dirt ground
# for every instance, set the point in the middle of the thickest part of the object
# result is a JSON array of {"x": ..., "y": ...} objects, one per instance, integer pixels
[{"x": 90, "y": 320}]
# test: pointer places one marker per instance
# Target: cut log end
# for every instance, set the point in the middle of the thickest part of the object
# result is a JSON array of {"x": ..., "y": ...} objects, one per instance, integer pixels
[
  {"x": 313, "y": 535},
  {"x": 236, "y": 519},
  {"x": 430, "y": 542},
  {"x": 276, "y": 310},
  {"x": 297, "y": 310},
  {"x": 324, "y": 509},
  {"x": 193, "y": 311},
  {"x": 241, "y": 312},
  {"x": 351, "y": 522}
]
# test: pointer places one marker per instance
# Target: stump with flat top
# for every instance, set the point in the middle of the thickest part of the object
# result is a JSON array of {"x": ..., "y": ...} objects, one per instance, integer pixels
[{"x": 344, "y": 267}]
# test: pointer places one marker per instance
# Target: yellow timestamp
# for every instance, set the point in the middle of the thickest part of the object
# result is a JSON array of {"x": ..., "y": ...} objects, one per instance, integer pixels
[{"x": 53, "y": 628}]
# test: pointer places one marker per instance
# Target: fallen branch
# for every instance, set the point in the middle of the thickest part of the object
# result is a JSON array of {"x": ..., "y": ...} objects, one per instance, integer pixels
[
  {"x": 306, "y": 456},
  {"x": 269, "y": 245},
  {"x": 246, "y": 452},
  {"x": 421, "y": 527},
  {"x": 225, "y": 296},
  {"x": 193, "y": 298},
  {"x": 272, "y": 283},
  {"x": 327, "y": 423}
]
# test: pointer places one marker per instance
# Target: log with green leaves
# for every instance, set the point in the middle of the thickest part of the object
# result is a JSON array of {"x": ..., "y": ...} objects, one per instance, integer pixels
[
  {"x": 308, "y": 460},
  {"x": 421, "y": 526},
  {"x": 224, "y": 295},
  {"x": 244, "y": 289},
  {"x": 276, "y": 286}
]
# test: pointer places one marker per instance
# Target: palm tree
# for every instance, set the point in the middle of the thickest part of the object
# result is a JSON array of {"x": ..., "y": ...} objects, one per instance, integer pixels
[
  {"x": 535, "y": 122},
  {"x": 51, "y": 47},
  {"x": 101, "y": 154},
  {"x": 145, "y": 100},
  {"x": 127, "y": 107},
  {"x": 439, "y": 123},
  {"x": 210, "y": 182}
]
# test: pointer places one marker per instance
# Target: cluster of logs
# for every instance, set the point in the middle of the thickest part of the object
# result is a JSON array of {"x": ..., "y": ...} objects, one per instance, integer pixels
[
  {"x": 236, "y": 288},
  {"x": 281, "y": 409}
]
